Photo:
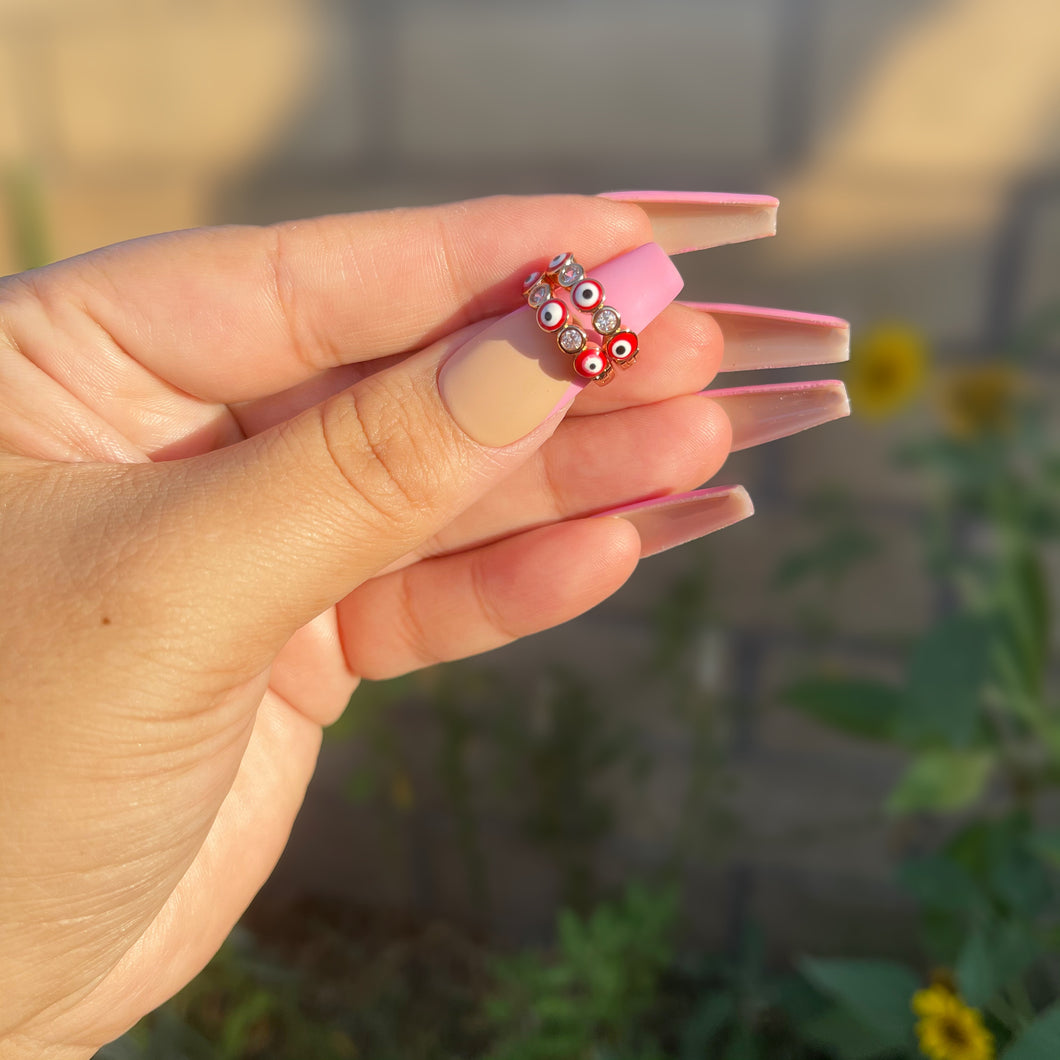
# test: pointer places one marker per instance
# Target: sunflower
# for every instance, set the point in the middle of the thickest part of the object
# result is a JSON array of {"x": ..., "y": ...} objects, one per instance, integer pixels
[
  {"x": 980, "y": 400},
  {"x": 948, "y": 1029},
  {"x": 887, "y": 369}
]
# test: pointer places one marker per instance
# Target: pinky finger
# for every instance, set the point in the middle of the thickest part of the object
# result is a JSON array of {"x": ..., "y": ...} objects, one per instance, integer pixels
[{"x": 459, "y": 605}]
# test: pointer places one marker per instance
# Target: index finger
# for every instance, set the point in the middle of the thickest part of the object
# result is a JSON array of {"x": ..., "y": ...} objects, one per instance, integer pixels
[{"x": 236, "y": 313}]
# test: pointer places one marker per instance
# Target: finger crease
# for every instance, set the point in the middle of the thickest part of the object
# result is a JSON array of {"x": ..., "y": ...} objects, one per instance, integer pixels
[
  {"x": 414, "y": 632},
  {"x": 489, "y": 610},
  {"x": 551, "y": 482},
  {"x": 283, "y": 296}
]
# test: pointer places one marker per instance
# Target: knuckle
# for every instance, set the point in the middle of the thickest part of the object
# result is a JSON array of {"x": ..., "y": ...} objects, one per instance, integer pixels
[
  {"x": 386, "y": 454},
  {"x": 309, "y": 344},
  {"x": 413, "y": 630},
  {"x": 494, "y": 618}
]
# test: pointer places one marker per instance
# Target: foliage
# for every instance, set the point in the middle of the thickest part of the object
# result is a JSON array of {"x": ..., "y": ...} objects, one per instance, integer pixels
[
  {"x": 338, "y": 993},
  {"x": 241, "y": 1006},
  {"x": 593, "y": 999},
  {"x": 557, "y": 756},
  {"x": 978, "y": 719}
]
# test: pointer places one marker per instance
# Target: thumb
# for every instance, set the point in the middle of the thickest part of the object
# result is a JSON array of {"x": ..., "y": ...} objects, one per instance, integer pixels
[{"x": 292, "y": 520}]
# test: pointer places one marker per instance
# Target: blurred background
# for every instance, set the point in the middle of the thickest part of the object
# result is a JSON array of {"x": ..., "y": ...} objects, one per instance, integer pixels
[{"x": 772, "y": 780}]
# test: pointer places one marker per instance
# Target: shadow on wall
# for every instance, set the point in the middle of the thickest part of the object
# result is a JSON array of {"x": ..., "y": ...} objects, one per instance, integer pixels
[{"x": 414, "y": 102}]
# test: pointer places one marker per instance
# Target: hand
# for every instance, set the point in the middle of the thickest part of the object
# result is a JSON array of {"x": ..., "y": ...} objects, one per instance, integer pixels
[
  {"x": 209, "y": 439},
  {"x": 232, "y": 485}
]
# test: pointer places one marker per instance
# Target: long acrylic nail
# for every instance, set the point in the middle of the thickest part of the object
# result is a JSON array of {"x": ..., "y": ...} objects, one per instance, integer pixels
[
  {"x": 764, "y": 413},
  {"x": 512, "y": 376},
  {"x": 776, "y": 338},
  {"x": 671, "y": 521},
  {"x": 695, "y": 220}
]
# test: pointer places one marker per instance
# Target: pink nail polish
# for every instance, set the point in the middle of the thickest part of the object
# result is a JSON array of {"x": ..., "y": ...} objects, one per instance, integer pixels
[
  {"x": 761, "y": 414},
  {"x": 695, "y": 220},
  {"x": 511, "y": 377},
  {"x": 756, "y": 337},
  {"x": 667, "y": 522}
]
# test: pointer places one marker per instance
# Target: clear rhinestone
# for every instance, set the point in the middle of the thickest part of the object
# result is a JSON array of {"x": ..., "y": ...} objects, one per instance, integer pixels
[
  {"x": 572, "y": 339},
  {"x": 570, "y": 274},
  {"x": 606, "y": 320},
  {"x": 539, "y": 295}
]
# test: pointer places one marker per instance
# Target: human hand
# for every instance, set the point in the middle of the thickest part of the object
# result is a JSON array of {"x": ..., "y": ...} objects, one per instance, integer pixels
[{"x": 230, "y": 491}]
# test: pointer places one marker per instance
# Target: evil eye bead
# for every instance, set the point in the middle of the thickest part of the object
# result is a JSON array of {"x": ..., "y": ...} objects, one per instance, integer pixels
[
  {"x": 592, "y": 363},
  {"x": 622, "y": 348},
  {"x": 587, "y": 295},
  {"x": 530, "y": 281},
  {"x": 559, "y": 260},
  {"x": 552, "y": 315}
]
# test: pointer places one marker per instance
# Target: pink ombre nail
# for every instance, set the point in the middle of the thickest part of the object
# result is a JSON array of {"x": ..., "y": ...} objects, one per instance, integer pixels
[
  {"x": 671, "y": 521},
  {"x": 756, "y": 337},
  {"x": 695, "y": 220},
  {"x": 761, "y": 414}
]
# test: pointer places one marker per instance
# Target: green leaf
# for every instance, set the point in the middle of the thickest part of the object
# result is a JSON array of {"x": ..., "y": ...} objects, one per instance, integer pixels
[
  {"x": 845, "y": 1036},
  {"x": 1040, "y": 1041},
  {"x": 1046, "y": 845},
  {"x": 703, "y": 1025},
  {"x": 1021, "y": 883},
  {"x": 994, "y": 956},
  {"x": 840, "y": 549},
  {"x": 937, "y": 882},
  {"x": 240, "y": 1022},
  {"x": 743, "y": 1046},
  {"x": 1029, "y": 610},
  {"x": 947, "y": 671},
  {"x": 860, "y": 708},
  {"x": 942, "y": 780},
  {"x": 877, "y": 993}
]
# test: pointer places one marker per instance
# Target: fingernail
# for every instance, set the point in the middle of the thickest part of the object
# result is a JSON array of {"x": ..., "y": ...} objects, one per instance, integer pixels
[
  {"x": 671, "y": 521},
  {"x": 763, "y": 413},
  {"x": 512, "y": 376},
  {"x": 695, "y": 220},
  {"x": 776, "y": 338}
]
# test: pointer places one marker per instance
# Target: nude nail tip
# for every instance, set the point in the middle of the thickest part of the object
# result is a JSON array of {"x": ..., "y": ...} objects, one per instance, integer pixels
[
  {"x": 767, "y": 389},
  {"x": 666, "y": 522},
  {"x": 760, "y": 414},
  {"x": 686, "y": 221},
  {"x": 756, "y": 338}
]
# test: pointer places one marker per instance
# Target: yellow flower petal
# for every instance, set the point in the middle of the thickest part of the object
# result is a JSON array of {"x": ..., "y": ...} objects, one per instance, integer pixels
[
  {"x": 948, "y": 1028},
  {"x": 887, "y": 368},
  {"x": 980, "y": 399}
]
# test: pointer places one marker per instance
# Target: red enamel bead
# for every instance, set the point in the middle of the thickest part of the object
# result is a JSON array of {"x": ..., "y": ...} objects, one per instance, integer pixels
[
  {"x": 622, "y": 347},
  {"x": 587, "y": 295},
  {"x": 552, "y": 315},
  {"x": 592, "y": 363}
]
